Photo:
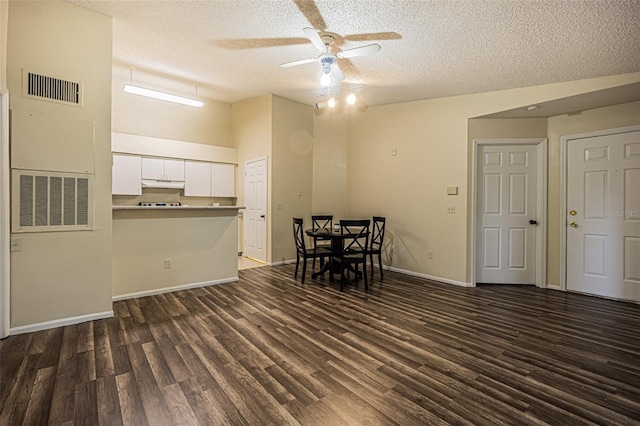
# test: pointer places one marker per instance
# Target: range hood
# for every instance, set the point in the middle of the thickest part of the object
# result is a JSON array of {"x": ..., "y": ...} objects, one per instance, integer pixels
[{"x": 170, "y": 184}]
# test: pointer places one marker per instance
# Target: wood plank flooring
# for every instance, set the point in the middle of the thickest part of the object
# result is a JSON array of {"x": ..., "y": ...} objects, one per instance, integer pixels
[{"x": 270, "y": 351}]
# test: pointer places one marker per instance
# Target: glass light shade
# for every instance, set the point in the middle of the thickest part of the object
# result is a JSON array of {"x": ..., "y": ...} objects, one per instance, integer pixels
[
  {"x": 351, "y": 99},
  {"x": 325, "y": 80},
  {"x": 331, "y": 103}
]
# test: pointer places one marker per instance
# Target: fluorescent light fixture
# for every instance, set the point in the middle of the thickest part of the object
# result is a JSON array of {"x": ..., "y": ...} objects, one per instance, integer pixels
[{"x": 128, "y": 88}]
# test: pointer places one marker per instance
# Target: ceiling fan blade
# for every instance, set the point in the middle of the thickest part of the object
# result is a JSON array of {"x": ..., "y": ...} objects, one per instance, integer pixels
[
  {"x": 300, "y": 62},
  {"x": 254, "y": 43},
  {"x": 369, "y": 49},
  {"x": 315, "y": 39},
  {"x": 336, "y": 72},
  {"x": 389, "y": 35},
  {"x": 311, "y": 12}
]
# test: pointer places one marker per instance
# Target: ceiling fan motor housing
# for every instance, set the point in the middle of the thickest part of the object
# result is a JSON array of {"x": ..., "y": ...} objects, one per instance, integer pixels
[{"x": 327, "y": 61}]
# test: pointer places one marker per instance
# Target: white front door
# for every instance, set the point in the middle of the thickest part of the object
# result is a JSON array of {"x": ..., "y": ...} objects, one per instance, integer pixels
[
  {"x": 255, "y": 197},
  {"x": 506, "y": 214},
  {"x": 603, "y": 215}
]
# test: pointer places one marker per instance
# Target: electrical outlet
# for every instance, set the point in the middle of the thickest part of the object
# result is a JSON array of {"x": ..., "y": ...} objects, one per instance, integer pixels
[
  {"x": 451, "y": 209},
  {"x": 394, "y": 152},
  {"x": 429, "y": 255},
  {"x": 167, "y": 264}
]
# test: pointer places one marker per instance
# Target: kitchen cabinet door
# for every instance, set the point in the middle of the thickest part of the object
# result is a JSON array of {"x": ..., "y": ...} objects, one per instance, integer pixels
[
  {"x": 162, "y": 169},
  {"x": 152, "y": 168},
  {"x": 223, "y": 180},
  {"x": 126, "y": 175},
  {"x": 173, "y": 169},
  {"x": 197, "y": 179}
]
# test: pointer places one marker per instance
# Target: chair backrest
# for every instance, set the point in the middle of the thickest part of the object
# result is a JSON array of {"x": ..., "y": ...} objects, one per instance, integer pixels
[
  {"x": 355, "y": 234},
  {"x": 298, "y": 235},
  {"x": 321, "y": 222},
  {"x": 377, "y": 233}
]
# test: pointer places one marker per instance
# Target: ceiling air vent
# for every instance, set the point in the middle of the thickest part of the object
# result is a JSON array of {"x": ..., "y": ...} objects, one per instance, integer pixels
[{"x": 51, "y": 89}]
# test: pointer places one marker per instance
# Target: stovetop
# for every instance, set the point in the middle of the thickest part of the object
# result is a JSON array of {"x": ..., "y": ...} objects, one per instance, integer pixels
[{"x": 158, "y": 204}]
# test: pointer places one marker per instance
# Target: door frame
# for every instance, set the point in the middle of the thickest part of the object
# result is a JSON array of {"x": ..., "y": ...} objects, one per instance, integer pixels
[
  {"x": 541, "y": 205},
  {"x": 268, "y": 216},
  {"x": 5, "y": 259},
  {"x": 564, "y": 170}
]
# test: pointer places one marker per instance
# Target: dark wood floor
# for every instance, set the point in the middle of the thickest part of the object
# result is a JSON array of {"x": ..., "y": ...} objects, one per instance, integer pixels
[{"x": 267, "y": 350}]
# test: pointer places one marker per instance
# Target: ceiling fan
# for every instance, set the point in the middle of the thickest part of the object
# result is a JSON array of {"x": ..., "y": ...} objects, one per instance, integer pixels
[{"x": 327, "y": 59}]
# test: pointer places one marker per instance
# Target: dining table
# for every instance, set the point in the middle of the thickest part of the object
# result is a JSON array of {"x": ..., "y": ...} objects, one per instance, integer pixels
[{"x": 337, "y": 238}]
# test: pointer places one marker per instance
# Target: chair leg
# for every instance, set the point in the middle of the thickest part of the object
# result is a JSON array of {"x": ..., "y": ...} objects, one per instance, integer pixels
[
  {"x": 364, "y": 275},
  {"x": 304, "y": 269},
  {"x": 313, "y": 266},
  {"x": 295, "y": 274},
  {"x": 371, "y": 260},
  {"x": 380, "y": 263}
]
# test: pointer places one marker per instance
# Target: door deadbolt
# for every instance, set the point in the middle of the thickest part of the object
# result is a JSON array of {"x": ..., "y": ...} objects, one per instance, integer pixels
[{"x": 573, "y": 212}]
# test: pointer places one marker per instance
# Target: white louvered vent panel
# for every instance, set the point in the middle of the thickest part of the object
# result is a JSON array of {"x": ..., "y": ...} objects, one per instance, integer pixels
[
  {"x": 49, "y": 201},
  {"x": 51, "y": 89}
]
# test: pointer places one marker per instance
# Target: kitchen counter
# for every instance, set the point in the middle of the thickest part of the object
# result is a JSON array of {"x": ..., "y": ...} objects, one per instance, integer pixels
[
  {"x": 178, "y": 207},
  {"x": 157, "y": 249}
]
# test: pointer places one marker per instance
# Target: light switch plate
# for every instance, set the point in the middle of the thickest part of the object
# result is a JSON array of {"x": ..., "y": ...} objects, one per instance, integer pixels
[{"x": 452, "y": 190}]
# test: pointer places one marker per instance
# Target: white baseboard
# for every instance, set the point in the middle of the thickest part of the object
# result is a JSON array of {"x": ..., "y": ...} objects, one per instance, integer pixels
[
  {"x": 283, "y": 262},
  {"x": 60, "y": 322},
  {"x": 429, "y": 277},
  {"x": 170, "y": 289}
]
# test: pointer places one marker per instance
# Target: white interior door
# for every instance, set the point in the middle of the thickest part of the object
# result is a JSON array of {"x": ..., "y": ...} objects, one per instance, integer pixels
[
  {"x": 255, "y": 215},
  {"x": 506, "y": 209},
  {"x": 603, "y": 215}
]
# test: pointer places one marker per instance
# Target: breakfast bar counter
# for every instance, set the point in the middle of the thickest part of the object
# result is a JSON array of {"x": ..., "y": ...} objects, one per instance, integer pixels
[{"x": 157, "y": 249}]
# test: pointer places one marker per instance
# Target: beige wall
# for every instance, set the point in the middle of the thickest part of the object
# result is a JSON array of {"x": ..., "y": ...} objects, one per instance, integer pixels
[
  {"x": 251, "y": 127},
  {"x": 292, "y": 165},
  {"x": 138, "y": 115},
  {"x": 330, "y": 143},
  {"x": 63, "y": 275},
  {"x": 4, "y": 21},
  {"x": 432, "y": 142},
  {"x": 282, "y": 131}
]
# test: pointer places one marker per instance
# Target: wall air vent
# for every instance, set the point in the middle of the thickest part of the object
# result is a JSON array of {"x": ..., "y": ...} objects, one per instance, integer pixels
[
  {"x": 49, "y": 201},
  {"x": 51, "y": 89}
]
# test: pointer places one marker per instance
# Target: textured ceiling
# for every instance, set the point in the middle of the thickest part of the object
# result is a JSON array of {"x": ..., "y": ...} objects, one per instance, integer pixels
[{"x": 232, "y": 49}]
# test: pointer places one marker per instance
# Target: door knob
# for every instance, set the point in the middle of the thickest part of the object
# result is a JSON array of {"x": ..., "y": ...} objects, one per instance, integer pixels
[
  {"x": 573, "y": 224},
  {"x": 533, "y": 222},
  {"x": 261, "y": 216}
]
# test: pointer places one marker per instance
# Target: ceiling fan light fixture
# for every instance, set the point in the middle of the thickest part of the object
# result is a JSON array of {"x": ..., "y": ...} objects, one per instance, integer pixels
[
  {"x": 351, "y": 99},
  {"x": 325, "y": 80},
  {"x": 331, "y": 103}
]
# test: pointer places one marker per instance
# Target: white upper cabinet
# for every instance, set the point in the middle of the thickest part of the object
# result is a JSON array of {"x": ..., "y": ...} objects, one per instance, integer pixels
[
  {"x": 209, "y": 179},
  {"x": 162, "y": 169},
  {"x": 223, "y": 180},
  {"x": 126, "y": 175},
  {"x": 197, "y": 179}
]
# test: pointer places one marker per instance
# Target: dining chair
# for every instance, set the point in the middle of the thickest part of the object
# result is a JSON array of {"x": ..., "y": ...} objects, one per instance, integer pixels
[
  {"x": 355, "y": 237},
  {"x": 321, "y": 222},
  {"x": 375, "y": 246},
  {"x": 301, "y": 249}
]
